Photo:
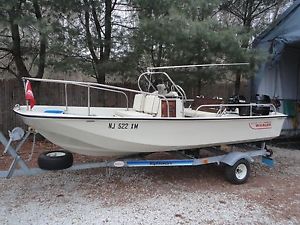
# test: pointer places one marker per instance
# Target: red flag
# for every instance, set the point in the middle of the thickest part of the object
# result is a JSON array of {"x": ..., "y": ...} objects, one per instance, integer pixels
[{"x": 29, "y": 94}]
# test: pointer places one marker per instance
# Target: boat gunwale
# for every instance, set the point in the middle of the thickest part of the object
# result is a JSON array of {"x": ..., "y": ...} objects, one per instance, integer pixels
[{"x": 149, "y": 118}]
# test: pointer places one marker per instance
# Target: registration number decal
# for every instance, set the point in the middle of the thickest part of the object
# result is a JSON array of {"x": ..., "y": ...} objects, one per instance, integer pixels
[{"x": 123, "y": 126}]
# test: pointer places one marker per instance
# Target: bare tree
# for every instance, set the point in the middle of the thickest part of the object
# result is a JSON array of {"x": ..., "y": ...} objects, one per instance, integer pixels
[
  {"x": 99, "y": 22},
  {"x": 250, "y": 14}
]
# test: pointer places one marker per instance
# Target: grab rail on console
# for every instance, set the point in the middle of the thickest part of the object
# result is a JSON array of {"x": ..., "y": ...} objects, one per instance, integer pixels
[{"x": 222, "y": 108}]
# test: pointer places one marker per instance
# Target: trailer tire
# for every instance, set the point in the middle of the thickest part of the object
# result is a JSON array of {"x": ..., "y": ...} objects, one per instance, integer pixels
[
  {"x": 55, "y": 160},
  {"x": 239, "y": 172}
]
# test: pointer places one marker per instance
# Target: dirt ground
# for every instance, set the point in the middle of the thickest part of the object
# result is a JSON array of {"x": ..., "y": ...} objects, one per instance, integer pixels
[{"x": 197, "y": 195}]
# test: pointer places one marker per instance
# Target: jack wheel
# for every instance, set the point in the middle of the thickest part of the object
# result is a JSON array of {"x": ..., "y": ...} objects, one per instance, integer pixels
[
  {"x": 269, "y": 152},
  {"x": 239, "y": 172},
  {"x": 55, "y": 160}
]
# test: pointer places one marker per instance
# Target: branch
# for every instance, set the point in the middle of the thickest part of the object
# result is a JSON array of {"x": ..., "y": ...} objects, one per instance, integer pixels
[
  {"x": 275, "y": 14},
  {"x": 122, "y": 25},
  {"x": 3, "y": 35},
  {"x": 98, "y": 28},
  {"x": 256, "y": 7},
  {"x": 113, "y": 6},
  {"x": 235, "y": 13},
  {"x": 65, "y": 55},
  {"x": 231, "y": 8},
  {"x": 264, "y": 10},
  {"x": 5, "y": 49},
  {"x": 32, "y": 62},
  {"x": 95, "y": 71},
  {"x": 2, "y": 57},
  {"x": 246, "y": 10},
  {"x": 7, "y": 68},
  {"x": 125, "y": 10},
  {"x": 215, "y": 12},
  {"x": 88, "y": 32},
  {"x": 122, "y": 4}
]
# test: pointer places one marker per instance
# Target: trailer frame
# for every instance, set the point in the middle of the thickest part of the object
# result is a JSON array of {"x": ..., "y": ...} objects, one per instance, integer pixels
[{"x": 229, "y": 159}]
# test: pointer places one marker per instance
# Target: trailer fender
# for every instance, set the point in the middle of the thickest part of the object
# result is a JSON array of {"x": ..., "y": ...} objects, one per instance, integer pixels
[{"x": 232, "y": 157}]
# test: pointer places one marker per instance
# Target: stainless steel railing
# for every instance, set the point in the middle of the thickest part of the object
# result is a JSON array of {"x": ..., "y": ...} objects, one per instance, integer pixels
[
  {"x": 90, "y": 85},
  {"x": 222, "y": 108},
  {"x": 179, "y": 90}
]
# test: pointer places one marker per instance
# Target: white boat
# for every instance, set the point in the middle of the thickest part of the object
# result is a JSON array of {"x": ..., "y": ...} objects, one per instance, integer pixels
[{"x": 157, "y": 121}]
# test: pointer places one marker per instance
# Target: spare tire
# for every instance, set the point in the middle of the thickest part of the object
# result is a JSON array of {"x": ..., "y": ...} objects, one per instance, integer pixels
[{"x": 55, "y": 160}]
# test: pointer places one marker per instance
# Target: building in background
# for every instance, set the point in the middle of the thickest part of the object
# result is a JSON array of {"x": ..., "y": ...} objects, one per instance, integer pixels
[{"x": 279, "y": 76}]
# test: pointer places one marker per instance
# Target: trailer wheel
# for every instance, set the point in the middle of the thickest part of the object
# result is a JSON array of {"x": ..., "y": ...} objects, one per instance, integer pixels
[
  {"x": 55, "y": 160},
  {"x": 239, "y": 172}
]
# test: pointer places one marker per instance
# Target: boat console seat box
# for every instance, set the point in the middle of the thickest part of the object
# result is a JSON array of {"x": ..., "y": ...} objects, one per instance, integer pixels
[
  {"x": 152, "y": 106},
  {"x": 143, "y": 106}
]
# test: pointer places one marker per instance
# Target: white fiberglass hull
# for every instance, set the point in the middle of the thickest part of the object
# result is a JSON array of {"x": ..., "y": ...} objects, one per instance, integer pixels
[{"x": 115, "y": 136}]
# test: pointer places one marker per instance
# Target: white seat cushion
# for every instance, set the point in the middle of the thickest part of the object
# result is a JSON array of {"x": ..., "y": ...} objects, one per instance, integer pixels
[
  {"x": 151, "y": 104},
  {"x": 138, "y": 103},
  {"x": 155, "y": 107},
  {"x": 129, "y": 113}
]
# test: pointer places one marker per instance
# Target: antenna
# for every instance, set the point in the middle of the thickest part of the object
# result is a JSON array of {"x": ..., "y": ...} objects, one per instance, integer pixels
[{"x": 200, "y": 65}]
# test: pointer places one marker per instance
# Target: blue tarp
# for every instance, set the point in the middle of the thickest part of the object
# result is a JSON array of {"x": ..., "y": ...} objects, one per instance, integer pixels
[
  {"x": 283, "y": 32},
  {"x": 279, "y": 76}
]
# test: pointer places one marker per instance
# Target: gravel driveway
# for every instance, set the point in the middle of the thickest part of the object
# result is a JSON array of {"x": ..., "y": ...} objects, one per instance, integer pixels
[{"x": 156, "y": 196}]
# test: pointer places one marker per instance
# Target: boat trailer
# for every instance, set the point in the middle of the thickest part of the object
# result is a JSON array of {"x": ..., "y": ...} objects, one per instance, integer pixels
[{"x": 237, "y": 163}]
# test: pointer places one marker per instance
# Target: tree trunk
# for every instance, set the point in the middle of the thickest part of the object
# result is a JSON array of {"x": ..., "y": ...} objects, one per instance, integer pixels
[
  {"x": 245, "y": 45},
  {"x": 237, "y": 84},
  {"x": 100, "y": 77},
  {"x": 108, "y": 29},
  {"x": 199, "y": 85},
  {"x": 105, "y": 48},
  {"x": 100, "y": 80},
  {"x": 43, "y": 42},
  {"x": 16, "y": 46}
]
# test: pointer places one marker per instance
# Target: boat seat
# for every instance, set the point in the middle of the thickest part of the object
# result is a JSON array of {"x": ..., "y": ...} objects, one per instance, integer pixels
[
  {"x": 194, "y": 113},
  {"x": 139, "y": 102},
  {"x": 131, "y": 113},
  {"x": 143, "y": 106},
  {"x": 151, "y": 104}
]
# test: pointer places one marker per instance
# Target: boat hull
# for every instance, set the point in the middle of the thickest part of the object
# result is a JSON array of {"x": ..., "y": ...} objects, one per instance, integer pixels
[{"x": 100, "y": 136}]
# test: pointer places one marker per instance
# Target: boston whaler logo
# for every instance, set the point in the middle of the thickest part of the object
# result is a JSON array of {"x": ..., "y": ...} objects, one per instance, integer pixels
[{"x": 261, "y": 125}]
